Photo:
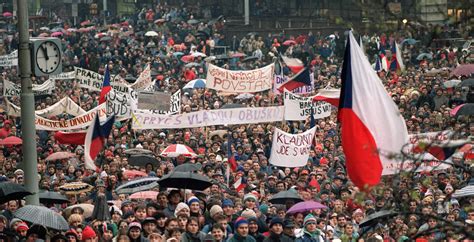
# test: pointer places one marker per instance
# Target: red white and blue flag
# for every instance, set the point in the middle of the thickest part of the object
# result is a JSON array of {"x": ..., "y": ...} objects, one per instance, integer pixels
[
  {"x": 96, "y": 137},
  {"x": 105, "y": 86},
  {"x": 330, "y": 95},
  {"x": 303, "y": 78},
  {"x": 371, "y": 125},
  {"x": 396, "y": 63},
  {"x": 295, "y": 64},
  {"x": 240, "y": 183}
]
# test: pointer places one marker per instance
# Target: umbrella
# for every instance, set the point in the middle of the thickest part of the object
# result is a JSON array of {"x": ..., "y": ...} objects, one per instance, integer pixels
[
  {"x": 463, "y": 70},
  {"x": 232, "y": 105},
  {"x": 87, "y": 208},
  {"x": 289, "y": 42},
  {"x": 192, "y": 64},
  {"x": 188, "y": 167},
  {"x": 193, "y": 21},
  {"x": 159, "y": 21},
  {"x": 409, "y": 41},
  {"x": 467, "y": 191},
  {"x": 244, "y": 96},
  {"x": 12, "y": 140},
  {"x": 250, "y": 58},
  {"x": 467, "y": 83},
  {"x": 185, "y": 180},
  {"x": 138, "y": 185},
  {"x": 222, "y": 57},
  {"x": 424, "y": 55},
  {"x": 238, "y": 55},
  {"x": 210, "y": 58},
  {"x": 142, "y": 160},
  {"x": 198, "y": 54},
  {"x": 305, "y": 207},
  {"x": 375, "y": 217},
  {"x": 151, "y": 34},
  {"x": 132, "y": 174},
  {"x": 60, "y": 155},
  {"x": 144, "y": 195},
  {"x": 176, "y": 150},
  {"x": 101, "y": 209},
  {"x": 12, "y": 191},
  {"x": 137, "y": 151},
  {"x": 73, "y": 188},
  {"x": 130, "y": 78},
  {"x": 196, "y": 83},
  {"x": 86, "y": 23},
  {"x": 71, "y": 30},
  {"x": 43, "y": 35},
  {"x": 7, "y": 14},
  {"x": 48, "y": 197},
  {"x": 203, "y": 34},
  {"x": 451, "y": 83},
  {"x": 283, "y": 196},
  {"x": 105, "y": 39},
  {"x": 176, "y": 54},
  {"x": 187, "y": 58},
  {"x": 42, "y": 216},
  {"x": 56, "y": 34},
  {"x": 100, "y": 35},
  {"x": 464, "y": 109}
]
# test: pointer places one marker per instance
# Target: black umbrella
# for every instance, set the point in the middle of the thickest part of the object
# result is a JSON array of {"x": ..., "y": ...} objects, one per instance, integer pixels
[
  {"x": 138, "y": 185},
  {"x": 130, "y": 78},
  {"x": 43, "y": 216},
  {"x": 12, "y": 191},
  {"x": 222, "y": 57},
  {"x": 467, "y": 83},
  {"x": 188, "y": 167},
  {"x": 250, "y": 58},
  {"x": 137, "y": 151},
  {"x": 285, "y": 196},
  {"x": 374, "y": 218},
  {"x": 466, "y": 109},
  {"x": 232, "y": 105},
  {"x": 185, "y": 180},
  {"x": 101, "y": 209},
  {"x": 48, "y": 197},
  {"x": 142, "y": 160}
]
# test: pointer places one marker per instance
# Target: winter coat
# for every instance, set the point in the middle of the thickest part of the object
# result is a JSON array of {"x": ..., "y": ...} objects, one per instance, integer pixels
[
  {"x": 238, "y": 238},
  {"x": 277, "y": 238}
]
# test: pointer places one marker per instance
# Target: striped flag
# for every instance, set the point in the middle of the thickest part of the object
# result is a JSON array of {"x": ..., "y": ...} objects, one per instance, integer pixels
[{"x": 105, "y": 86}]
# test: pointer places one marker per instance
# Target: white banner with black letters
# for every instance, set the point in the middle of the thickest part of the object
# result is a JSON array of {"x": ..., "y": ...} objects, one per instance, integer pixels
[
  {"x": 299, "y": 108},
  {"x": 11, "y": 89},
  {"x": 10, "y": 59},
  {"x": 291, "y": 150}
]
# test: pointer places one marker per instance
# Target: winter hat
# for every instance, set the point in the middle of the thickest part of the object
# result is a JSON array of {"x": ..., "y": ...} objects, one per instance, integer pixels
[
  {"x": 227, "y": 203},
  {"x": 276, "y": 220},
  {"x": 215, "y": 209},
  {"x": 88, "y": 233},
  {"x": 248, "y": 213},
  {"x": 192, "y": 200},
  {"x": 14, "y": 221},
  {"x": 263, "y": 208},
  {"x": 110, "y": 227},
  {"x": 309, "y": 219},
  {"x": 449, "y": 186},
  {"x": 22, "y": 227},
  {"x": 239, "y": 221},
  {"x": 134, "y": 224},
  {"x": 250, "y": 196},
  {"x": 180, "y": 207}
]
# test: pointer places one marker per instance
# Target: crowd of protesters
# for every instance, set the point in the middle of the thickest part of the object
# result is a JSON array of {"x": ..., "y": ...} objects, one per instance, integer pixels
[{"x": 220, "y": 213}]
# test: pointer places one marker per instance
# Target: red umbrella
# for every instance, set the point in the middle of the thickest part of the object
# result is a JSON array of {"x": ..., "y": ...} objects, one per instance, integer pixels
[
  {"x": 56, "y": 34},
  {"x": 238, "y": 55},
  {"x": 132, "y": 174},
  {"x": 289, "y": 42},
  {"x": 463, "y": 70},
  {"x": 12, "y": 140},
  {"x": 187, "y": 58},
  {"x": 144, "y": 195},
  {"x": 87, "y": 22},
  {"x": 60, "y": 155},
  {"x": 178, "y": 150},
  {"x": 7, "y": 14}
]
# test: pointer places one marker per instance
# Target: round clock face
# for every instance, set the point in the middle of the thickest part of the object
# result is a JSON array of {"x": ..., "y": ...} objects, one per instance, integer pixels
[{"x": 48, "y": 57}]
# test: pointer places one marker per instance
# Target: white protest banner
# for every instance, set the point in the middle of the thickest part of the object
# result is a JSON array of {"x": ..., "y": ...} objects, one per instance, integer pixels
[
  {"x": 291, "y": 150},
  {"x": 11, "y": 89},
  {"x": 65, "y": 105},
  {"x": 208, "y": 118},
  {"x": 144, "y": 81},
  {"x": 10, "y": 59},
  {"x": 422, "y": 162},
  {"x": 240, "y": 81},
  {"x": 118, "y": 104},
  {"x": 93, "y": 81},
  {"x": 78, "y": 122},
  {"x": 175, "y": 104},
  {"x": 431, "y": 136},
  {"x": 299, "y": 108},
  {"x": 280, "y": 80},
  {"x": 63, "y": 76}
]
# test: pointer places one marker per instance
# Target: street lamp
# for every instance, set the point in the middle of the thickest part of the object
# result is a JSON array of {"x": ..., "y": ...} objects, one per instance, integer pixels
[{"x": 404, "y": 21}]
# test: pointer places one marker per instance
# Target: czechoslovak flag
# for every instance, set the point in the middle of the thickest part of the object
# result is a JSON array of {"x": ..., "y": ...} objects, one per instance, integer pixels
[
  {"x": 96, "y": 136},
  {"x": 105, "y": 86},
  {"x": 371, "y": 125}
]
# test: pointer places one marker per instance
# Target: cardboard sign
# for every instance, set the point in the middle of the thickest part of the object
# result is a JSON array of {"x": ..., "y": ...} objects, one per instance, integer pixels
[{"x": 291, "y": 150}]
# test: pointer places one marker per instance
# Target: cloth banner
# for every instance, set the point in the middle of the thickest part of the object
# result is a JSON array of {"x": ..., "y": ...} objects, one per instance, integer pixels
[
  {"x": 78, "y": 122},
  {"x": 63, "y": 76},
  {"x": 93, "y": 81},
  {"x": 291, "y": 150},
  {"x": 299, "y": 108},
  {"x": 424, "y": 165},
  {"x": 280, "y": 80},
  {"x": 10, "y": 59},
  {"x": 240, "y": 81},
  {"x": 65, "y": 105},
  {"x": 431, "y": 136},
  {"x": 122, "y": 104},
  {"x": 11, "y": 89},
  {"x": 208, "y": 118},
  {"x": 144, "y": 81}
]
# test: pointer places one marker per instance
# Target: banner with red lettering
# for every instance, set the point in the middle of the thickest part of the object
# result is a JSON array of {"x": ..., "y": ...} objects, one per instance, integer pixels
[
  {"x": 78, "y": 122},
  {"x": 291, "y": 150},
  {"x": 240, "y": 81}
]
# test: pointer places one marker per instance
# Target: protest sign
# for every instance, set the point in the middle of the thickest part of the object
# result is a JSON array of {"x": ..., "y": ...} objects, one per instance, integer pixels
[
  {"x": 93, "y": 81},
  {"x": 118, "y": 104},
  {"x": 431, "y": 136},
  {"x": 10, "y": 59},
  {"x": 240, "y": 81},
  {"x": 11, "y": 89},
  {"x": 208, "y": 118},
  {"x": 280, "y": 80},
  {"x": 144, "y": 81},
  {"x": 78, "y": 122},
  {"x": 65, "y": 105},
  {"x": 299, "y": 108},
  {"x": 175, "y": 104},
  {"x": 418, "y": 162},
  {"x": 63, "y": 76},
  {"x": 154, "y": 101},
  {"x": 291, "y": 150}
]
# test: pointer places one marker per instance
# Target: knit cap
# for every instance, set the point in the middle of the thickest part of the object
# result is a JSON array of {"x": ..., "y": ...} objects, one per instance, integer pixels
[
  {"x": 180, "y": 207},
  {"x": 250, "y": 196},
  {"x": 239, "y": 221},
  {"x": 309, "y": 219},
  {"x": 192, "y": 200},
  {"x": 276, "y": 220},
  {"x": 88, "y": 233},
  {"x": 248, "y": 213},
  {"x": 215, "y": 209},
  {"x": 227, "y": 203}
]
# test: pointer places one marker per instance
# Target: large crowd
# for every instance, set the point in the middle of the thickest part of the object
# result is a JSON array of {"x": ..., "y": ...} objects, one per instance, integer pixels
[{"x": 423, "y": 201}]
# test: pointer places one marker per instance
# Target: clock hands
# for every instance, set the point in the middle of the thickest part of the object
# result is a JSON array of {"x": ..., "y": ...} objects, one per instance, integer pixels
[{"x": 45, "y": 51}]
